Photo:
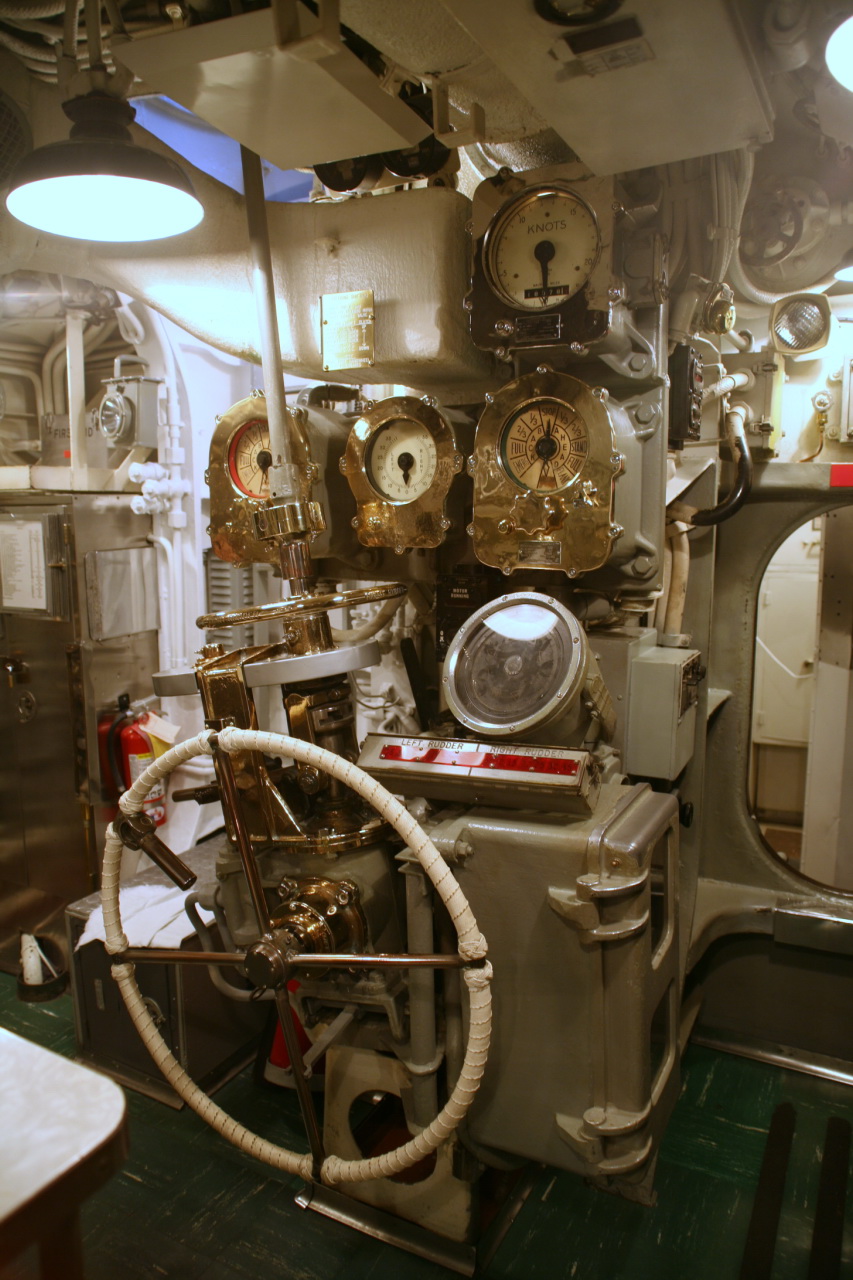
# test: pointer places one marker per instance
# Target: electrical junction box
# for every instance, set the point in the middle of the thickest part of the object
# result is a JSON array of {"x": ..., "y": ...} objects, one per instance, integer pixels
[{"x": 662, "y": 698}]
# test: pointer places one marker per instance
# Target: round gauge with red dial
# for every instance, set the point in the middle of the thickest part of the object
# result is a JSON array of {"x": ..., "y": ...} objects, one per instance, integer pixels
[{"x": 250, "y": 458}]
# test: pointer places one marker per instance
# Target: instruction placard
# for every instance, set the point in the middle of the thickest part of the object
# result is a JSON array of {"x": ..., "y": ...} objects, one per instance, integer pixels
[{"x": 23, "y": 584}]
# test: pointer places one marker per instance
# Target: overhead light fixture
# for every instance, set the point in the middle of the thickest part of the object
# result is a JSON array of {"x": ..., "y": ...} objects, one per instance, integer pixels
[
  {"x": 800, "y": 324},
  {"x": 100, "y": 184},
  {"x": 839, "y": 54}
]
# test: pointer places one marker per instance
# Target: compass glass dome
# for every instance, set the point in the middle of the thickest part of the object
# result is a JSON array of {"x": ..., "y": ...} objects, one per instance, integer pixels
[{"x": 515, "y": 663}]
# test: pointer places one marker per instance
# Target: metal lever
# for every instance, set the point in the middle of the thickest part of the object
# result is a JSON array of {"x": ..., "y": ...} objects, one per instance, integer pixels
[
  {"x": 136, "y": 831},
  {"x": 202, "y": 795}
]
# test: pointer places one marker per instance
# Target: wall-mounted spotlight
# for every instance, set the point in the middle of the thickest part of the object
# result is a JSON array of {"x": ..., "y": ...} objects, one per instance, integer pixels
[
  {"x": 839, "y": 54},
  {"x": 800, "y": 324},
  {"x": 100, "y": 184}
]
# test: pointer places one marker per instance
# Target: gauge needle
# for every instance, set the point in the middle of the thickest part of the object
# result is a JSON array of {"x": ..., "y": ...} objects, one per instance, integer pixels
[
  {"x": 546, "y": 448},
  {"x": 405, "y": 462},
  {"x": 543, "y": 253}
]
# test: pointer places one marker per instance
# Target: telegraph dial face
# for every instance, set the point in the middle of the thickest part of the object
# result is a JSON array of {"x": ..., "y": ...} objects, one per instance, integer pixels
[
  {"x": 249, "y": 458},
  {"x": 544, "y": 445}
]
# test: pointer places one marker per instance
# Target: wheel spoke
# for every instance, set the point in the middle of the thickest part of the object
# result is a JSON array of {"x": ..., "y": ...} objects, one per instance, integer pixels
[
  {"x": 300, "y": 1080},
  {"x": 165, "y": 955},
  {"x": 370, "y": 961},
  {"x": 244, "y": 845}
]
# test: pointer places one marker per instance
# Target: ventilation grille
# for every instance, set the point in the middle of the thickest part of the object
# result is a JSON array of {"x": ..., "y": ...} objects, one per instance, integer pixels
[
  {"x": 15, "y": 138},
  {"x": 229, "y": 587}
]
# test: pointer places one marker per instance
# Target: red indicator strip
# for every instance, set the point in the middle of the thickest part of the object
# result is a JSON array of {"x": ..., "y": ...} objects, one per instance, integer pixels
[
  {"x": 481, "y": 760},
  {"x": 841, "y": 475}
]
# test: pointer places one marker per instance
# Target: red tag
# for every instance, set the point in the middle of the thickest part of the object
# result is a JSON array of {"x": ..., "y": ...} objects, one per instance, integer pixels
[
  {"x": 841, "y": 475},
  {"x": 480, "y": 760}
]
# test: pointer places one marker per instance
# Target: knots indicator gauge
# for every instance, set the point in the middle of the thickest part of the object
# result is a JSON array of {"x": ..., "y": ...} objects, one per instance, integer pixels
[
  {"x": 543, "y": 262},
  {"x": 544, "y": 445},
  {"x": 542, "y": 248},
  {"x": 400, "y": 460}
]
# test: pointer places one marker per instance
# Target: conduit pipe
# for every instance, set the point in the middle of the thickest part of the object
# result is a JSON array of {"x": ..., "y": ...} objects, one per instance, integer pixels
[
  {"x": 47, "y": 371},
  {"x": 663, "y": 598},
  {"x": 472, "y": 947},
  {"x": 11, "y": 371},
  {"x": 32, "y": 9},
  {"x": 741, "y": 380},
  {"x": 674, "y": 616},
  {"x": 735, "y": 427},
  {"x": 177, "y": 488},
  {"x": 76, "y": 381},
  {"x": 366, "y": 632},
  {"x": 167, "y": 601}
]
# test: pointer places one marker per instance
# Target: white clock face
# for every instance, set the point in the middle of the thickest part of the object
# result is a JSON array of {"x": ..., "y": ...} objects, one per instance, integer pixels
[
  {"x": 542, "y": 249},
  {"x": 400, "y": 460}
]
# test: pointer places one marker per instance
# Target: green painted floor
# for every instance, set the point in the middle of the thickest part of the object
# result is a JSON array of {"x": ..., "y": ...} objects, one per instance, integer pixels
[{"x": 189, "y": 1207}]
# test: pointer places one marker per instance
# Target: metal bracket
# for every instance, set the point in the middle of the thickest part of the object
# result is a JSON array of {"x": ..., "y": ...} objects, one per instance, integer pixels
[
  {"x": 581, "y": 915},
  {"x": 324, "y": 41},
  {"x": 474, "y": 131}
]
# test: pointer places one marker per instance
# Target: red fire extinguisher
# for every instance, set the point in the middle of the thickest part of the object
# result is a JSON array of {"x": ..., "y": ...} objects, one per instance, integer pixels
[{"x": 129, "y": 752}]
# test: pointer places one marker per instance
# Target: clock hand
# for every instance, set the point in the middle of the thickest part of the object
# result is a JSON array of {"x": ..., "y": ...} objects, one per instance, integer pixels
[{"x": 405, "y": 462}]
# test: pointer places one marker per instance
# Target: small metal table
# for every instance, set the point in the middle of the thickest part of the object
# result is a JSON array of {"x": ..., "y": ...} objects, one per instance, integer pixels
[{"x": 63, "y": 1134}]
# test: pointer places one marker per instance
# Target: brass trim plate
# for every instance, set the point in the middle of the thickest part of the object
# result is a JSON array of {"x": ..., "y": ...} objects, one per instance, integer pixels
[
  {"x": 380, "y": 480},
  {"x": 565, "y": 525},
  {"x": 235, "y": 495}
]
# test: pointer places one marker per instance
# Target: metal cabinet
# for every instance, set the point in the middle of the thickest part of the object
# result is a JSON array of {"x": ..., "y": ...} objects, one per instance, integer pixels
[{"x": 57, "y": 677}]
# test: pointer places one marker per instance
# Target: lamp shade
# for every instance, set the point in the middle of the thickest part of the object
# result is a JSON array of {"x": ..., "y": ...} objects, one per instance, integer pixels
[{"x": 99, "y": 184}]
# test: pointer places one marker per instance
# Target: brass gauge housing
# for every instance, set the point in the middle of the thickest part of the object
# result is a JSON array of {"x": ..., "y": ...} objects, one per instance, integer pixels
[
  {"x": 544, "y": 469},
  {"x": 237, "y": 476},
  {"x": 400, "y": 460},
  {"x": 543, "y": 262}
]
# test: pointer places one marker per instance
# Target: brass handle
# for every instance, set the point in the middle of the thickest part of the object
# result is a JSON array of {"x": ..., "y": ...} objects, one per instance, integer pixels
[
  {"x": 136, "y": 831},
  {"x": 300, "y": 606}
]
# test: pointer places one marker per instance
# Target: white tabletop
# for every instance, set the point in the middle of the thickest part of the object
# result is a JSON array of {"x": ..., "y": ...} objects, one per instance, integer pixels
[{"x": 62, "y": 1134}]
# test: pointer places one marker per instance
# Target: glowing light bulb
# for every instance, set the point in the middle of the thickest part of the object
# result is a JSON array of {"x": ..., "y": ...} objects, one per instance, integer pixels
[{"x": 839, "y": 54}]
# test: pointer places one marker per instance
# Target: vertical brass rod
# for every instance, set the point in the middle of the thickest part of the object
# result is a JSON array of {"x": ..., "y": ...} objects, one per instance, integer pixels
[
  {"x": 283, "y": 482},
  {"x": 244, "y": 843},
  {"x": 300, "y": 1082},
  {"x": 282, "y": 998}
]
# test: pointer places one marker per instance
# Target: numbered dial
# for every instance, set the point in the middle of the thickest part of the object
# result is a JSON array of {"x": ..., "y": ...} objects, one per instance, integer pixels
[
  {"x": 401, "y": 459},
  {"x": 542, "y": 249},
  {"x": 249, "y": 459},
  {"x": 544, "y": 445}
]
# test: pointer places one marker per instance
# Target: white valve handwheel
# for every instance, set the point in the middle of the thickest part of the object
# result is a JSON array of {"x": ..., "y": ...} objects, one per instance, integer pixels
[{"x": 472, "y": 946}]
